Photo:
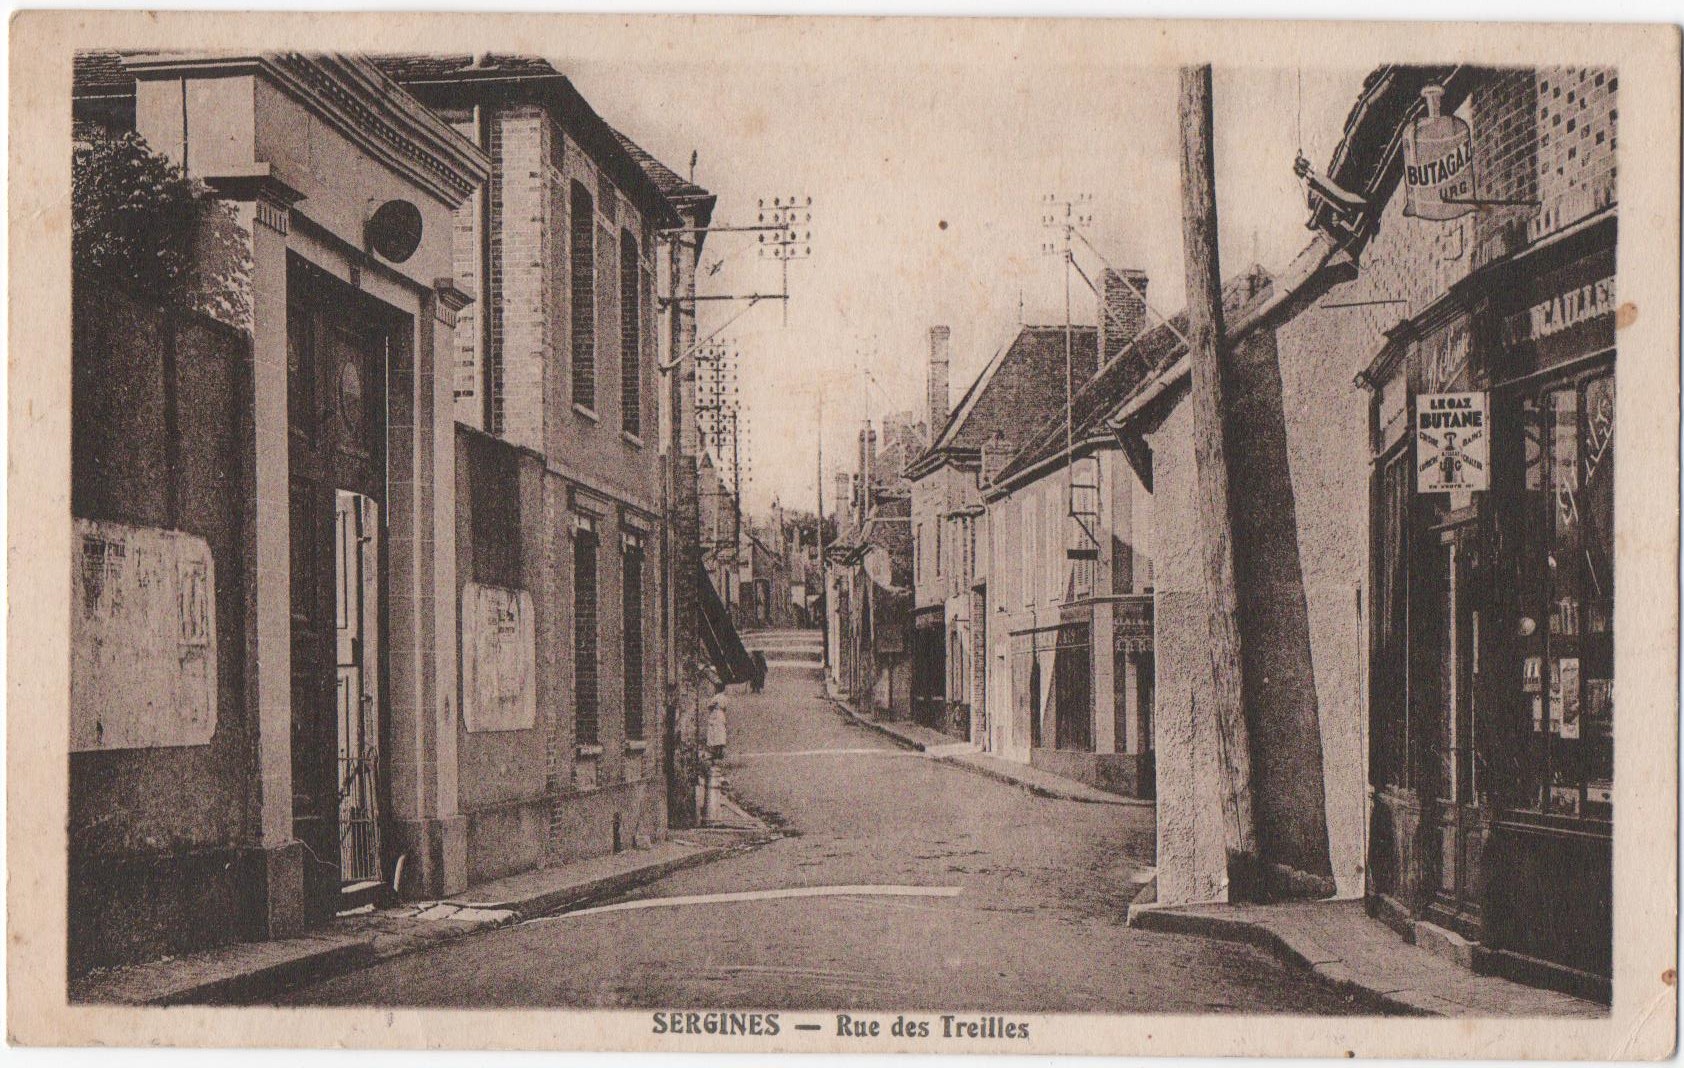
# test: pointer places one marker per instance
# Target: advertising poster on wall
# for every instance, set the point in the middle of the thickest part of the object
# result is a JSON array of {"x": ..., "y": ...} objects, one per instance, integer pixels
[{"x": 1452, "y": 451}]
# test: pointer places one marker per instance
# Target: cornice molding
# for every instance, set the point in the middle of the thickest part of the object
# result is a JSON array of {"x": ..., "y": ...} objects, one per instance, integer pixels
[{"x": 356, "y": 100}]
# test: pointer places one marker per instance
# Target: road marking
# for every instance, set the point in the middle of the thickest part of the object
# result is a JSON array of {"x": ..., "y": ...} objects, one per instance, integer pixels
[
  {"x": 763, "y": 895},
  {"x": 824, "y": 752}
]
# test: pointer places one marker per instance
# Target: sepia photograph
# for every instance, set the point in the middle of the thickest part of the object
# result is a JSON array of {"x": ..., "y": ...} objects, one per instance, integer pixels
[{"x": 862, "y": 534}]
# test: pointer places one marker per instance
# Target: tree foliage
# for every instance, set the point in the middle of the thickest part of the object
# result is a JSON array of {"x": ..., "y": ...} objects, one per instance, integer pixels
[{"x": 139, "y": 220}]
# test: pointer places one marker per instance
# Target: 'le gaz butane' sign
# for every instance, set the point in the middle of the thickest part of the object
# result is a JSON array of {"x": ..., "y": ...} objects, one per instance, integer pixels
[{"x": 1452, "y": 447}]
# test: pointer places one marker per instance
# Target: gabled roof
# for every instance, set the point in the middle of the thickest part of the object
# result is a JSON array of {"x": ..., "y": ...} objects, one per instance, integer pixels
[
  {"x": 443, "y": 80},
  {"x": 1099, "y": 397},
  {"x": 1024, "y": 379}
]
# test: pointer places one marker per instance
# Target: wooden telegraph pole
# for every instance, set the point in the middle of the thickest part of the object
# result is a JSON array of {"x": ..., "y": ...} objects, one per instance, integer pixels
[{"x": 1205, "y": 343}]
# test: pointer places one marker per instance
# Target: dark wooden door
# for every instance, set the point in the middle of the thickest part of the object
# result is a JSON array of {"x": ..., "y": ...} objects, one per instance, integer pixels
[
  {"x": 1454, "y": 814},
  {"x": 338, "y": 347}
]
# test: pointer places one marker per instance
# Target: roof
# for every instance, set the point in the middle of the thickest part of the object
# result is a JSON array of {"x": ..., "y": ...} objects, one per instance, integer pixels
[
  {"x": 101, "y": 73},
  {"x": 1025, "y": 376},
  {"x": 1390, "y": 97},
  {"x": 1150, "y": 353},
  {"x": 464, "y": 77}
]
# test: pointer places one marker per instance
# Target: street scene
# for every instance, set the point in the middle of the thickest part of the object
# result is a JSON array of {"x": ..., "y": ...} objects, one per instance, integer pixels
[
  {"x": 949, "y": 544},
  {"x": 1042, "y": 886}
]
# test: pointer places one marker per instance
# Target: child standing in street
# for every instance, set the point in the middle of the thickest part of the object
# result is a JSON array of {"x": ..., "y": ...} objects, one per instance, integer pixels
[{"x": 716, "y": 725}]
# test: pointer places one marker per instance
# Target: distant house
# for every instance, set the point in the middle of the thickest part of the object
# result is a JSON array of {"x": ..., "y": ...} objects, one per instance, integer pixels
[
  {"x": 1022, "y": 390},
  {"x": 869, "y": 575},
  {"x": 1071, "y": 685}
]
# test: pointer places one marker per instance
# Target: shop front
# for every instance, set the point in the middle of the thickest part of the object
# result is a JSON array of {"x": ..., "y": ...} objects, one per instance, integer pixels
[{"x": 1491, "y": 697}]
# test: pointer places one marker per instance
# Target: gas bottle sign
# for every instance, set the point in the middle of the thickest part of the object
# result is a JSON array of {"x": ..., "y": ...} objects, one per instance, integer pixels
[
  {"x": 1438, "y": 169},
  {"x": 1452, "y": 448}
]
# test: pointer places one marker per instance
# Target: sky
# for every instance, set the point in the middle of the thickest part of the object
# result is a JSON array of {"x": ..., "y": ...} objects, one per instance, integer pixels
[{"x": 926, "y": 173}]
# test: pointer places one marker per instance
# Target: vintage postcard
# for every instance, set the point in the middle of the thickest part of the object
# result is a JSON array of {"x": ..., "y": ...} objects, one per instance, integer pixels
[{"x": 823, "y": 534}]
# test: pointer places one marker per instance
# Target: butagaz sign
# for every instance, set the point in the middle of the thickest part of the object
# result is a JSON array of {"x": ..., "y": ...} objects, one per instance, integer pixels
[
  {"x": 1438, "y": 169},
  {"x": 1452, "y": 449}
]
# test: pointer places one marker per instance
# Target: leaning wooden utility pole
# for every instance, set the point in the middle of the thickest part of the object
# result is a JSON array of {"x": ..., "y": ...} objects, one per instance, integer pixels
[{"x": 1205, "y": 343}]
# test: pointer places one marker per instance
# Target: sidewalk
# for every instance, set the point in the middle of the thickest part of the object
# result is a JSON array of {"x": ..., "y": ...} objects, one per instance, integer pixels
[
  {"x": 256, "y": 971},
  {"x": 1340, "y": 942},
  {"x": 960, "y": 754}
]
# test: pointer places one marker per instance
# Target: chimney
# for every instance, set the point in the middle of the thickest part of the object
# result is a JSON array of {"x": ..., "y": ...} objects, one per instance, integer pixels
[
  {"x": 843, "y": 491},
  {"x": 1122, "y": 310},
  {"x": 868, "y": 465},
  {"x": 940, "y": 344}
]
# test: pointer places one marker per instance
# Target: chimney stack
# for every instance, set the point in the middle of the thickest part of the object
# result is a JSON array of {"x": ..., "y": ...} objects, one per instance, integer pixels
[
  {"x": 1122, "y": 311},
  {"x": 868, "y": 469},
  {"x": 940, "y": 345},
  {"x": 843, "y": 492}
]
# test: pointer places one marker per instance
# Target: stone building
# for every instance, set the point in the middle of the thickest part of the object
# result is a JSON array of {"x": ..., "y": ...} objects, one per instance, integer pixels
[
  {"x": 1487, "y": 625},
  {"x": 560, "y": 476},
  {"x": 1067, "y": 621},
  {"x": 868, "y": 574},
  {"x": 1428, "y": 664},
  {"x": 264, "y": 694}
]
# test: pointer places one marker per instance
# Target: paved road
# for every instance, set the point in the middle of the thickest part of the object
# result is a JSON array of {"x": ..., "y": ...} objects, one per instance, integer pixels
[{"x": 1036, "y": 923}]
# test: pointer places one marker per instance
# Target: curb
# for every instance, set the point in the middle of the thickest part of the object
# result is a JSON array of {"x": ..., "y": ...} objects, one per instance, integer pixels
[
  {"x": 333, "y": 960},
  {"x": 871, "y": 724},
  {"x": 546, "y": 902},
  {"x": 343, "y": 954},
  {"x": 1167, "y": 921},
  {"x": 987, "y": 772},
  {"x": 1045, "y": 791}
]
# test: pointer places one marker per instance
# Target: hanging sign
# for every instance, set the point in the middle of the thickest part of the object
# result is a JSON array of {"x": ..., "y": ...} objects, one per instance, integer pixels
[
  {"x": 1452, "y": 451},
  {"x": 1438, "y": 170}
]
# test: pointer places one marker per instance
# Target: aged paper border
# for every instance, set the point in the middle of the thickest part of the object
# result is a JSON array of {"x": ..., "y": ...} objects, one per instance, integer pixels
[{"x": 1642, "y": 1023}]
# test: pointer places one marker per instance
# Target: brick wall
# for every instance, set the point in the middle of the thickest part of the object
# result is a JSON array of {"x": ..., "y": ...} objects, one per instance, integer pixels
[{"x": 1577, "y": 119}]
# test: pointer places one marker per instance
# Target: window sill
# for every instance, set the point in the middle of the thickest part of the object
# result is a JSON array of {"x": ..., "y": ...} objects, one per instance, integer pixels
[
  {"x": 586, "y": 412},
  {"x": 590, "y": 752},
  {"x": 636, "y": 745},
  {"x": 632, "y": 439}
]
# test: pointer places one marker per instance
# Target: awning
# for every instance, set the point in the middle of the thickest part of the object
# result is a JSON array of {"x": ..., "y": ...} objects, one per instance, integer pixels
[{"x": 724, "y": 648}]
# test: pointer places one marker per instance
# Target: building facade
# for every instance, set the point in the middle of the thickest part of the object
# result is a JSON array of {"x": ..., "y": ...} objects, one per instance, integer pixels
[
  {"x": 557, "y": 374},
  {"x": 1067, "y": 673},
  {"x": 1490, "y": 628},
  {"x": 265, "y": 514}
]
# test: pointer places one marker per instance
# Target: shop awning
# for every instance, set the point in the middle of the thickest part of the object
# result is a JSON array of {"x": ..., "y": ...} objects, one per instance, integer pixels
[{"x": 724, "y": 648}]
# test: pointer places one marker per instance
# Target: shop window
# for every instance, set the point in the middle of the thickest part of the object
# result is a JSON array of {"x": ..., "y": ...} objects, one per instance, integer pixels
[{"x": 1565, "y": 573}]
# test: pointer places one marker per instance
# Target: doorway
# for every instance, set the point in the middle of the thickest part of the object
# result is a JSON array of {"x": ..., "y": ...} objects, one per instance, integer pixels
[
  {"x": 340, "y": 346},
  {"x": 356, "y": 566},
  {"x": 1454, "y": 815}
]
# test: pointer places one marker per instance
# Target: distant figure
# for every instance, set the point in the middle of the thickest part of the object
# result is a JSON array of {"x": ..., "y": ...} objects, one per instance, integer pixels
[
  {"x": 758, "y": 683},
  {"x": 716, "y": 725}
]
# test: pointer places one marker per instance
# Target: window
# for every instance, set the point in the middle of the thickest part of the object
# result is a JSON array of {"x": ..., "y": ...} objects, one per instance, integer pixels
[
  {"x": 586, "y": 705},
  {"x": 1564, "y": 573},
  {"x": 918, "y": 554},
  {"x": 1026, "y": 541},
  {"x": 938, "y": 524},
  {"x": 632, "y": 630},
  {"x": 582, "y": 263},
  {"x": 1053, "y": 548},
  {"x": 631, "y": 336}
]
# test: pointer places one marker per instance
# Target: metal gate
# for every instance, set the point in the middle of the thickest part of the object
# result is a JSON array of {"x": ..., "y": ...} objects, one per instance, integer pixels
[{"x": 356, "y": 631}]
